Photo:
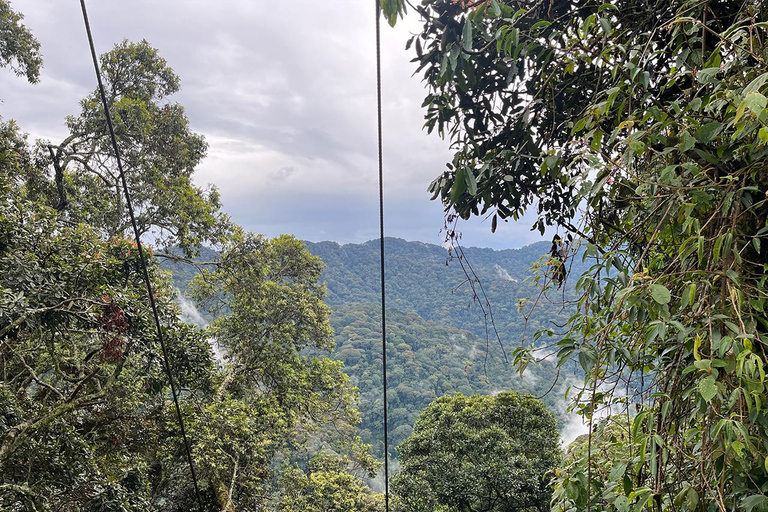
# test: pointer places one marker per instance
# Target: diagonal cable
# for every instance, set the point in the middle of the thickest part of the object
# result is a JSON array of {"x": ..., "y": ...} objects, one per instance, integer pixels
[
  {"x": 137, "y": 237},
  {"x": 381, "y": 239}
]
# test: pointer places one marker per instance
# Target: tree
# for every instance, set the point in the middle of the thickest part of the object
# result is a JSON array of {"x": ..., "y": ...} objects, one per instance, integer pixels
[
  {"x": 479, "y": 453},
  {"x": 327, "y": 486},
  {"x": 159, "y": 154},
  {"x": 278, "y": 384},
  {"x": 610, "y": 445},
  {"x": 642, "y": 128},
  {"x": 85, "y": 421},
  {"x": 19, "y": 49},
  {"x": 85, "y": 415}
]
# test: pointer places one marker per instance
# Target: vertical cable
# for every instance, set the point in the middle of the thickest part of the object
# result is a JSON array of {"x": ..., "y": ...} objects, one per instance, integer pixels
[
  {"x": 139, "y": 247},
  {"x": 381, "y": 239}
]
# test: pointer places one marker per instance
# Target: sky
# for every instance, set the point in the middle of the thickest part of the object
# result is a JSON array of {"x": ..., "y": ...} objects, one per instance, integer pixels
[{"x": 285, "y": 94}]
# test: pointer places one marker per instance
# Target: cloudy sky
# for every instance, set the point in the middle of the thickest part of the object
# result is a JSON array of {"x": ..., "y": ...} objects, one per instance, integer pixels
[{"x": 284, "y": 92}]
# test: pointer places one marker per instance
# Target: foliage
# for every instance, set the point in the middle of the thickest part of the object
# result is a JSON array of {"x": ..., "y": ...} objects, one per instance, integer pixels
[
  {"x": 425, "y": 279},
  {"x": 159, "y": 154},
  {"x": 610, "y": 445},
  {"x": 425, "y": 360},
  {"x": 643, "y": 127},
  {"x": 83, "y": 397},
  {"x": 86, "y": 421},
  {"x": 269, "y": 311},
  {"x": 326, "y": 487},
  {"x": 479, "y": 453},
  {"x": 19, "y": 49},
  {"x": 391, "y": 10},
  {"x": 436, "y": 333}
]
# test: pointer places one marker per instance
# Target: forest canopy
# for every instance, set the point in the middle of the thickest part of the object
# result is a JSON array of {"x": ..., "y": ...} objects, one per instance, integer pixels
[
  {"x": 479, "y": 453},
  {"x": 86, "y": 416}
]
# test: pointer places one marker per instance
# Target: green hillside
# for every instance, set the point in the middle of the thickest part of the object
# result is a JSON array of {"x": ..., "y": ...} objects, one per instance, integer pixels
[
  {"x": 422, "y": 280},
  {"x": 436, "y": 330}
]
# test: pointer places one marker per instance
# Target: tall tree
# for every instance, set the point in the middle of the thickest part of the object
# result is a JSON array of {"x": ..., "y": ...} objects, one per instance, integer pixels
[
  {"x": 159, "y": 152},
  {"x": 86, "y": 420},
  {"x": 276, "y": 383},
  {"x": 642, "y": 127},
  {"x": 479, "y": 454}
]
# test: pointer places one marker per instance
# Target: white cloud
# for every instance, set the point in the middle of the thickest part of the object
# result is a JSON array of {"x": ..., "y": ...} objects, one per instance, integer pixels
[{"x": 189, "y": 312}]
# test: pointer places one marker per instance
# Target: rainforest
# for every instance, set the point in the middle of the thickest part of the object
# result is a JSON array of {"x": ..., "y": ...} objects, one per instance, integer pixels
[{"x": 159, "y": 354}]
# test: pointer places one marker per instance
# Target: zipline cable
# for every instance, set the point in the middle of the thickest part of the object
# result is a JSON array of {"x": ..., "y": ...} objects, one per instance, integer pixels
[
  {"x": 381, "y": 252},
  {"x": 142, "y": 258}
]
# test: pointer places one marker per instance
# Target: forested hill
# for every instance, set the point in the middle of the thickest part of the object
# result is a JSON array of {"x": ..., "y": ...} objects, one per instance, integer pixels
[
  {"x": 436, "y": 331},
  {"x": 437, "y": 341},
  {"x": 423, "y": 279}
]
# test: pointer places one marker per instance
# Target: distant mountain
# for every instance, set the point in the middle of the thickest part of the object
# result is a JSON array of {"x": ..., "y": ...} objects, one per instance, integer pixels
[
  {"x": 439, "y": 340},
  {"x": 422, "y": 279}
]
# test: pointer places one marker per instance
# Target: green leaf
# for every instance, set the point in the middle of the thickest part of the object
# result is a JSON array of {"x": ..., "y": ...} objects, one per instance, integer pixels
[
  {"x": 687, "y": 499},
  {"x": 708, "y": 131},
  {"x": 466, "y": 37},
  {"x": 686, "y": 141},
  {"x": 605, "y": 25},
  {"x": 756, "y": 502},
  {"x": 696, "y": 345},
  {"x": 459, "y": 185},
  {"x": 755, "y": 102},
  {"x": 763, "y": 134},
  {"x": 471, "y": 182},
  {"x": 627, "y": 485},
  {"x": 708, "y": 388},
  {"x": 660, "y": 293},
  {"x": 708, "y": 75},
  {"x": 637, "y": 146},
  {"x": 740, "y": 111},
  {"x": 756, "y": 84}
]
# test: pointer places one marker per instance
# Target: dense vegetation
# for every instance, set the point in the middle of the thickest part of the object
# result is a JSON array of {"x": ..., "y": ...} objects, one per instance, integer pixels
[
  {"x": 87, "y": 420},
  {"x": 427, "y": 280},
  {"x": 640, "y": 127},
  {"x": 480, "y": 454},
  {"x": 437, "y": 336}
]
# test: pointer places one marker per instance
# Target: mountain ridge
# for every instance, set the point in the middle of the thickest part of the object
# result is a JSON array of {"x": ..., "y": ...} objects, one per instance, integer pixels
[{"x": 440, "y": 340}]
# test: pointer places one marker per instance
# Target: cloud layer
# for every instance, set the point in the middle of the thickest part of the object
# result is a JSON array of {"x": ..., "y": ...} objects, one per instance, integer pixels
[{"x": 285, "y": 94}]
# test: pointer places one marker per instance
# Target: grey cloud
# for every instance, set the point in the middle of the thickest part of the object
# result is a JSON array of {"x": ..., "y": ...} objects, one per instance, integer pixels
[
  {"x": 285, "y": 94},
  {"x": 283, "y": 173}
]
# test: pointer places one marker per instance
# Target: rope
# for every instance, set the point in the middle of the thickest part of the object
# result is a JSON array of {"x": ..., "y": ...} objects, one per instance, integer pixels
[
  {"x": 137, "y": 237},
  {"x": 381, "y": 252}
]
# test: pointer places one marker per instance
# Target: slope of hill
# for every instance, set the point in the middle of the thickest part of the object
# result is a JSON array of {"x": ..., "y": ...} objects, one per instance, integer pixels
[
  {"x": 437, "y": 338},
  {"x": 421, "y": 279},
  {"x": 437, "y": 341}
]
